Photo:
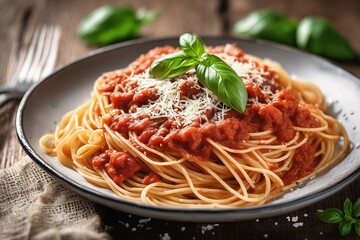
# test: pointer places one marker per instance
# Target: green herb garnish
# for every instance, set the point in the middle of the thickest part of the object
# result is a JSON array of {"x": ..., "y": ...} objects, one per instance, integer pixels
[
  {"x": 212, "y": 72},
  {"x": 317, "y": 35},
  {"x": 313, "y": 34},
  {"x": 269, "y": 25},
  {"x": 108, "y": 24},
  {"x": 347, "y": 219}
]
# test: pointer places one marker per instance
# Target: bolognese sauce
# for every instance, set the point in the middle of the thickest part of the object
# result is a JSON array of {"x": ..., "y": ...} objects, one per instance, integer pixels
[{"x": 270, "y": 107}]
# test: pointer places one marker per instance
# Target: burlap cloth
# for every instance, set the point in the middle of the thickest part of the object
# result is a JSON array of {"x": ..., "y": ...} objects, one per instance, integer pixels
[{"x": 35, "y": 206}]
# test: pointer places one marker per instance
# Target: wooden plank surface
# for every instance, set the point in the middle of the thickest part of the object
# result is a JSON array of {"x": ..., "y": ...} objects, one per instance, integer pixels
[{"x": 214, "y": 17}]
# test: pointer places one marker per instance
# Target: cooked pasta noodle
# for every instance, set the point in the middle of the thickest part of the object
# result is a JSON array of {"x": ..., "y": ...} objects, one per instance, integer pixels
[{"x": 173, "y": 143}]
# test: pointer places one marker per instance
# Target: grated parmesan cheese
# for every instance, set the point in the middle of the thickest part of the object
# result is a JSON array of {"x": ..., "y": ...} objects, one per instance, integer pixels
[
  {"x": 250, "y": 72},
  {"x": 169, "y": 103}
]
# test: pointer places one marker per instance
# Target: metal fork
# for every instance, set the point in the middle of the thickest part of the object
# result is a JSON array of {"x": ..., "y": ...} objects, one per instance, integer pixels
[{"x": 34, "y": 64}]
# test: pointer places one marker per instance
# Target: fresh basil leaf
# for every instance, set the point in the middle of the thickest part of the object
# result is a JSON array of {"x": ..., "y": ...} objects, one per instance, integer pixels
[
  {"x": 222, "y": 80},
  {"x": 348, "y": 207},
  {"x": 172, "y": 65},
  {"x": 345, "y": 228},
  {"x": 110, "y": 23},
  {"x": 192, "y": 45},
  {"x": 317, "y": 35},
  {"x": 212, "y": 72},
  {"x": 331, "y": 215},
  {"x": 356, "y": 208},
  {"x": 357, "y": 227},
  {"x": 269, "y": 25}
]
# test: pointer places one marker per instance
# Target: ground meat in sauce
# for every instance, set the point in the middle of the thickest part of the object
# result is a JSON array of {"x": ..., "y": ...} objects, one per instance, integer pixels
[
  {"x": 280, "y": 114},
  {"x": 151, "y": 178},
  {"x": 303, "y": 164},
  {"x": 188, "y": 89},
  {"x": 118, "y": 165}
]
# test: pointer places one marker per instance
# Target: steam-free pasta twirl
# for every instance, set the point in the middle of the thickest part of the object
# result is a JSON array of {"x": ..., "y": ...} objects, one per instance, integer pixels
[{"x": 172, "y": 142}]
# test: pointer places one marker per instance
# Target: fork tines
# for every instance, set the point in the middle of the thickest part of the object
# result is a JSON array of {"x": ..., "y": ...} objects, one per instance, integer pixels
[{"x": 40, "y": 58}]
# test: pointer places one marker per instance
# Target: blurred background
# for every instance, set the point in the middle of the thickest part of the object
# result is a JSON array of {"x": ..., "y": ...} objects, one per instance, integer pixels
[
  {"x": 205, "y": 17},
  {"x": 19, "y": 19}
]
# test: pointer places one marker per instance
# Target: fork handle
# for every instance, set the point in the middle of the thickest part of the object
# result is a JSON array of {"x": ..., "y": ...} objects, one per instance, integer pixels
[{"x": 6, "y": 97}]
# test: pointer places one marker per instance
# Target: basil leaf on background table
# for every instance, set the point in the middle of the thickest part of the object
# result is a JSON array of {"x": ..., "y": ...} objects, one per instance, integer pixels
[
  {"x": 223, "y": 81},
  {"x": 344, "y": 228},
  {"x": 357, "y": 228},
  {"x": 317, "y": 35},
  {"x": 346, "y": 218},
  {"x": 312, "y": 34},
  {"x": 331, "y": 215},
  {"x": 268, "y": 25},
  {"x": 172, "y": 65},
  {"x": 212, "y": 71},
  {"x": 356, "y": 208},
  {"x": 109, "y": 24},
  {"x": 348, "y": 207}
]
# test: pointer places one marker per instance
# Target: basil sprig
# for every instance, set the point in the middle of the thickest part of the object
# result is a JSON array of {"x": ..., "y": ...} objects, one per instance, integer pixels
[
  {"x": 313, "y": 34},
  {"x": 110, "y": 23},
  {"x": 347, "y": 219},
  {"x": 212, "y": 71}
]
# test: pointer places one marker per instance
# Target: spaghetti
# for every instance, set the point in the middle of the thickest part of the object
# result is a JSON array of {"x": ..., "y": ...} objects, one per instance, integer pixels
[{"x": 173, "y": 143}]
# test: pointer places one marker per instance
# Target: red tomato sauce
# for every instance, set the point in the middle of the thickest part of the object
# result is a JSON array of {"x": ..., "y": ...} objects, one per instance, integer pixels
[
  {"x": 278, "y": 114},
  {"x": 118, "y": 165}
]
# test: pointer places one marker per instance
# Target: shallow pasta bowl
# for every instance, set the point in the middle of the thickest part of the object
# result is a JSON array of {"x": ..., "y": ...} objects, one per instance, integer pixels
[{"x": 47, "y": 101}]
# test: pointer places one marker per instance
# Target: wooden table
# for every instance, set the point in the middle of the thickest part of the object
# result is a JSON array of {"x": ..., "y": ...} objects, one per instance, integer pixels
[{"x": 208, "y": 17}]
